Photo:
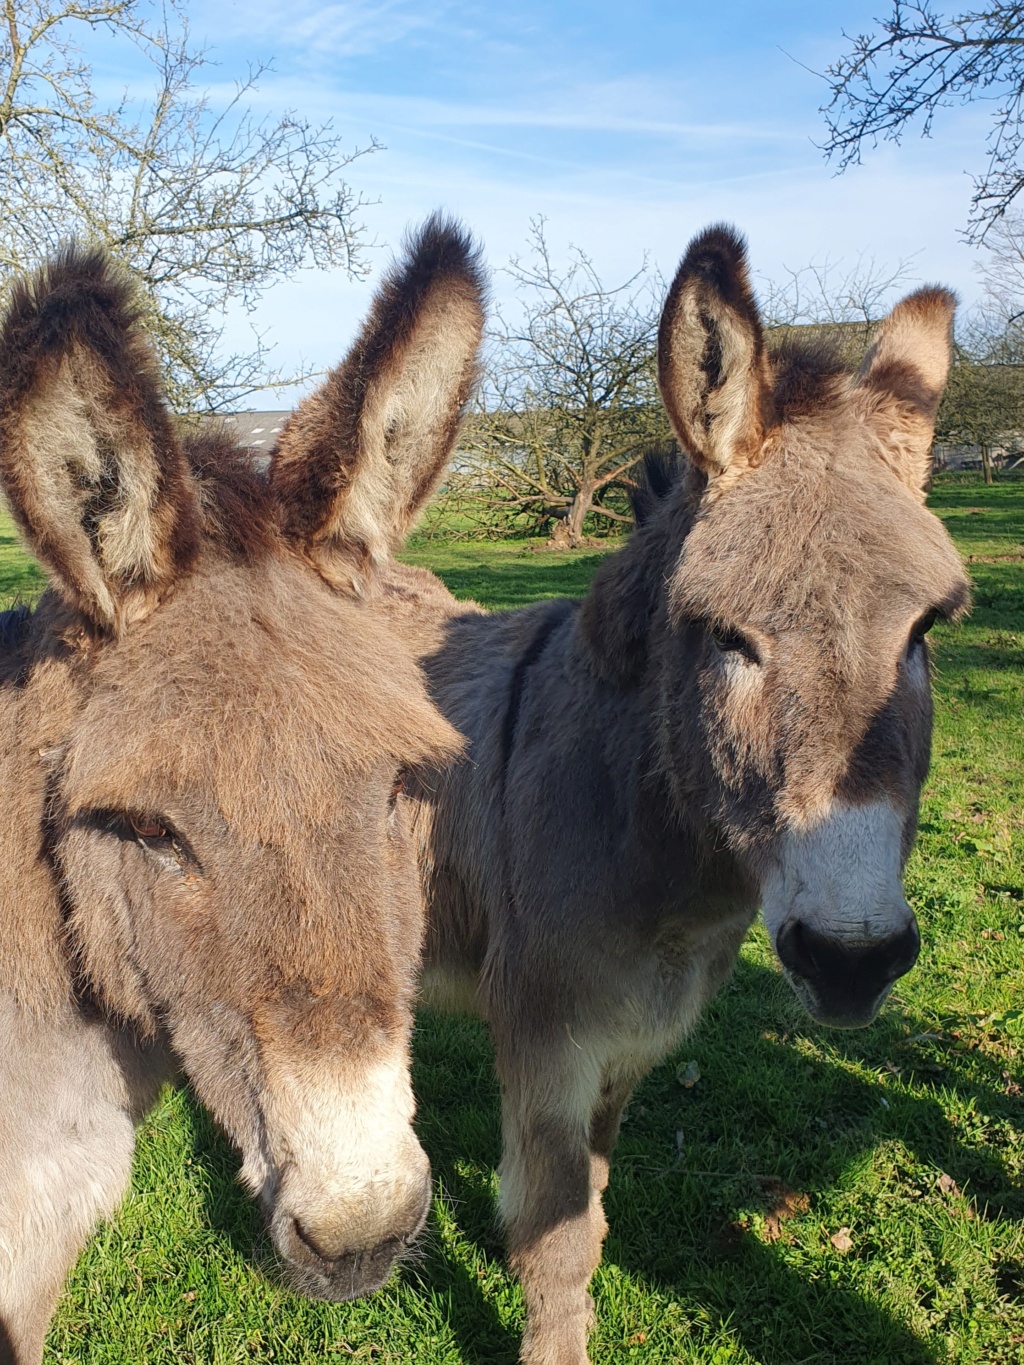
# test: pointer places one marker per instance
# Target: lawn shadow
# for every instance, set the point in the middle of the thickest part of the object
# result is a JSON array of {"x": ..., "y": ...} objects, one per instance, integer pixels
[
  {"x": 229, "y": 1209},
  {"x": 677, "y": 1233},
  {"x": 459, "y": 1125},
  {"x": 785, "y": 1121}
]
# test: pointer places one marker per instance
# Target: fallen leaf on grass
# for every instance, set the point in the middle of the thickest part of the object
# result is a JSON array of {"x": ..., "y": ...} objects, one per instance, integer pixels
[
  {"x": 948, "y": 1186},
  {"x": 688, "y": 1074},
  {"x": 842, "y": 1241}
]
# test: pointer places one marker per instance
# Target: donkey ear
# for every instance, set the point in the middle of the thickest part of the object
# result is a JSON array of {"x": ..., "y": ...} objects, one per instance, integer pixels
[
  {"x": 362, "y": 454},
  {"x": 901, "y": 380},
  {"x": 89, "y": 459},
  {"x": 712, "y": 368}
]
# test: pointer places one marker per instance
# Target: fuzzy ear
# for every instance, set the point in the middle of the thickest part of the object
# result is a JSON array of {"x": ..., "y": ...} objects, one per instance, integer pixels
[
  {"x": 712, "y": 368},
  {"x": 362, "y": 454},
  {"x": 89, "y": 459},
  {"x": 901, "y": 380}
]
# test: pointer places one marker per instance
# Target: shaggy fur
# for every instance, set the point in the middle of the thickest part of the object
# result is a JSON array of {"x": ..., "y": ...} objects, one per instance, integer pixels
[
  {"x": 738, "y": 713},
  {"x": 208, "y": 862},
  {"x": 88, "y": 456},
  {"x": 392, "y": 408}
]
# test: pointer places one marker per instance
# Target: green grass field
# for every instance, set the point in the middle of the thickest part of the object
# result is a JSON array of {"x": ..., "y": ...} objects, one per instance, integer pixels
[{"x": 814, "y": 1197}]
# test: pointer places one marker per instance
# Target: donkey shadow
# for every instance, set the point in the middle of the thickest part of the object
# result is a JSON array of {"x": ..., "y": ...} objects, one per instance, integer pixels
[
  {"x": 665, "y": 1218},
  {"x": 764, "y": 1117}
]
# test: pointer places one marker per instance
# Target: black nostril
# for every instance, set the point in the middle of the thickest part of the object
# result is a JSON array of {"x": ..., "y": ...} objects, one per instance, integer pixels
[
  {"x": 906, "y": 947},
  {"x": 837, "y": 963},
  {"x": 795, "y": 947},
  {"x": 310, "y": 1243}
]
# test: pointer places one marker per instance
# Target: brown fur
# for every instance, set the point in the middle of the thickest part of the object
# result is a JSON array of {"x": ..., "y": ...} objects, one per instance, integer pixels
[
  {"x": 373, "y": 412},
  {"x": 90, "y": 463},
  {"x": 208, "y": 861},
  {"x": 739, "y": 711}
]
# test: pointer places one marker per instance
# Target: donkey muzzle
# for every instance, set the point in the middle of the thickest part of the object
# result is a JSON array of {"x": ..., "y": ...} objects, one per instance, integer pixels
[
  {"x": 843, "y": 982},
  {"x": 324, "y": 1271}
]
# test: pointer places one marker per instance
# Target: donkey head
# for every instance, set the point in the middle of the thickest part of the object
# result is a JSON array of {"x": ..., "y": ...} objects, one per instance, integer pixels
[
  {"x": 808, "y": 577},
  {"x": 215, "y": 732}
]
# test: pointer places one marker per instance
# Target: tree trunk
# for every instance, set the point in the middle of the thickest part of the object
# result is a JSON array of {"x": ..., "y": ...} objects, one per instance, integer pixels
[
  {"x": 568, "y": 534},
  {"x": 986, "y": 463}
]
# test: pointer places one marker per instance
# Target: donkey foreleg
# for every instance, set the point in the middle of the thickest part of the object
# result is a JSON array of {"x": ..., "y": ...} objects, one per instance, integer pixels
[
  {"x": 550, "y": 1204},
  {"x": 604, "y": 1127},
  {"x": 69, "y": 1091}
]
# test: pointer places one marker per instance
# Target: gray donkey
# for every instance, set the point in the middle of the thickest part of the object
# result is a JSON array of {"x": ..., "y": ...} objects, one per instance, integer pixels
[{"x": 738, "y": 713}]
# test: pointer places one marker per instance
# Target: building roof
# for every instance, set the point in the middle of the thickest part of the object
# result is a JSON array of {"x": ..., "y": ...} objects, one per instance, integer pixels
[{"x": 255, "y": 431}]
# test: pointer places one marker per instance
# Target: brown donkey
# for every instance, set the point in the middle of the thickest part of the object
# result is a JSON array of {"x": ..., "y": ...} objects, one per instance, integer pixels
[
  {"x": 207, "y": 861},
  {"x": 738, "y": 713}
]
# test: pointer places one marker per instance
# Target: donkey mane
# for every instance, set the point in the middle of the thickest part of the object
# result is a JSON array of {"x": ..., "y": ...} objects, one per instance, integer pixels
[
  {"x": 806, "y": 373},
  {"x": 655, "y": 478},
  {"x": 239, "y": 514}
]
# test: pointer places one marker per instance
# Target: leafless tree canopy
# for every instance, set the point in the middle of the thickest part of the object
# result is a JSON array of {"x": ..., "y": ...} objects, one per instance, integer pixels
[
  {"x": 984, "y": 400},
  {"x": 569, "y": 403},
  {"x": 207, "y": 205},
  {"x": 839, "y": 298},
  {"x": 921, "y": 61}
]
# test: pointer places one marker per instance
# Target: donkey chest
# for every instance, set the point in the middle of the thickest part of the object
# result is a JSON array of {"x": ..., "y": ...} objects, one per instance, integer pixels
[{"x": 682, "y": 966}]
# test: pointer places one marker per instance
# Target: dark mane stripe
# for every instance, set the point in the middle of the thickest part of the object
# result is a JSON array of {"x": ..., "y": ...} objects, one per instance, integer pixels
[
  {"x": 656, "y": 476},
  {"x": 14, "y": 625},
  {"x": 555, "y": 615}
]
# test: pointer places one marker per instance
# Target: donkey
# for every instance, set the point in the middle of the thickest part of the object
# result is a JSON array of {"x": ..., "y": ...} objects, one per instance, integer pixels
[
  {"x": 208, "y": 862},
  {"x": 738, "y": 713}
]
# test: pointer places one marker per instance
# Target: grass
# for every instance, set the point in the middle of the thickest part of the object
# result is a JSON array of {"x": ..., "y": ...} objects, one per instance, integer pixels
[{"x": 813, "y": 1197}]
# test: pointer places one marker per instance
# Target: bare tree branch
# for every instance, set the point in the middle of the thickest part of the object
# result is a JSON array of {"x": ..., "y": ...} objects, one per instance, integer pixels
[
  {"x": 208, "y": 207},
  {"x": 569, "y": 403},
  {"x": 921, "y": 62}
]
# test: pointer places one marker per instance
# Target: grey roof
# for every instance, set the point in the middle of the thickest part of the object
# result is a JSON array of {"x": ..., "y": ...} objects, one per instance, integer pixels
[{"x": 255, "y": 431}]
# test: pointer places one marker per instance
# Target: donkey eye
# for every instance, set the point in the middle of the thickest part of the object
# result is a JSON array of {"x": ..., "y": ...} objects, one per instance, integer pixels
[
  {"x": 922, "y": 628},
  {"x": 150, "y": 831},
  {"x": 733, "y": 642}
]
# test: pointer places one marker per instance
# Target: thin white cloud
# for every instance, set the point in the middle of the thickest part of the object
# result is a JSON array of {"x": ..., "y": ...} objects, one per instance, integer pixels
[
  {"x": 357, "y": 28},
  {"x": 796, "y": 219}
]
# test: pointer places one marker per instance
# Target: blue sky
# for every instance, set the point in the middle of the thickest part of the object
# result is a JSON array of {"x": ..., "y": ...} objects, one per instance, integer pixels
[{"x": 628, "y": 126}]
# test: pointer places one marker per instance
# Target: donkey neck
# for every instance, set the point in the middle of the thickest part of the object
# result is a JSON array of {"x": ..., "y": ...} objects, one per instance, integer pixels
[{"x": 584, "y": 748}]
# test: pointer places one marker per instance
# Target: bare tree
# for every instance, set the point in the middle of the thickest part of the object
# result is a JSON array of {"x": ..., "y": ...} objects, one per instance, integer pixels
[
  {"x": 983, "y": 404},
  {"x": 569, "y": 403},
  {"x": 838, "y": 298},
  {"x": 207, "y": 206},
  {"x": 922, "y": 61},
  {"x": 984, "y": 400},
  {"x": 1001, "y": 312}
]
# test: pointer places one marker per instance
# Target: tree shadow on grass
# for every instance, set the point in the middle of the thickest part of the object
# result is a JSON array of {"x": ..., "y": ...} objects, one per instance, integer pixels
[{"x": 767, "y": 1117}]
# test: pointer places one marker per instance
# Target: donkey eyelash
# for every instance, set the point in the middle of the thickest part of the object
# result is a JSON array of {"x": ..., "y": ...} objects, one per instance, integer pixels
[
  {"x": 923, "y": 626},
  {"x": 150, "y": 831},
  {"x": 733, "y": 642}
]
